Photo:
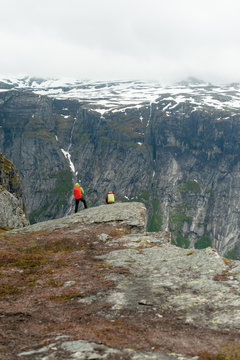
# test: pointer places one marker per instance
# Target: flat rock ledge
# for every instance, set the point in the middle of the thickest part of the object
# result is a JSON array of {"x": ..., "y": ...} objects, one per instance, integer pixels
[
  {"x": 132, "y": 214},
  {"x": 151, "y": 300}
]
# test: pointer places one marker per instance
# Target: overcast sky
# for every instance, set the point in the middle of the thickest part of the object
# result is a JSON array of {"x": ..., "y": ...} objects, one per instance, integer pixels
[{"x": 162, "y": 40}]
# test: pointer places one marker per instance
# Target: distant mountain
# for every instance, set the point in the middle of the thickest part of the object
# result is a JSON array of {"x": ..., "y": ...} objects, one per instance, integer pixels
[
  {"x": 176, "y": 148},
  {"x": 111, "y": 96},
  {"x": 192, "y": 81}
]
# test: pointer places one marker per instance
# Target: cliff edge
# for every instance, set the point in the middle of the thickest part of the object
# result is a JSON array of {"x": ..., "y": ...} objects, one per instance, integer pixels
[{"x": 96, "y": 285}]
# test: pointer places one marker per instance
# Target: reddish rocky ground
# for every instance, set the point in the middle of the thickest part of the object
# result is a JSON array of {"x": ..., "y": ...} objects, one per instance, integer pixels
[{"x": 43, "y": 276}]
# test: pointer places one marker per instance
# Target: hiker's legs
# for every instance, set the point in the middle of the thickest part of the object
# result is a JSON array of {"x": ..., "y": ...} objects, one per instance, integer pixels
[
  {"x": 84, "y": 201},
  {"x": 76, "y": 205}
]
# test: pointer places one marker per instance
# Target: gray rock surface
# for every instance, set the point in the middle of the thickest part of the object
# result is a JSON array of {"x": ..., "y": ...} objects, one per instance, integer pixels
[
  {"x": 199, "y": 285},
  {"x": 84, "y": 350},
  {"x": 132, "y": 214},
  {"x": 169, "y": 292},
  {"x": 11, "y": 213}
]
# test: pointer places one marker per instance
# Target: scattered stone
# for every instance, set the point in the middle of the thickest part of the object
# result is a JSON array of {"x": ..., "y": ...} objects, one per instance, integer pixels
[
  {"x": 103, "y": 237},
  {"x": 69, "y": 283}
]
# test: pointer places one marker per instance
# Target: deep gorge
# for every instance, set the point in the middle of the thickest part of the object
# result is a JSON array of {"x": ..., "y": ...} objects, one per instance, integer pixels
[{"x": 183, "y": 163}]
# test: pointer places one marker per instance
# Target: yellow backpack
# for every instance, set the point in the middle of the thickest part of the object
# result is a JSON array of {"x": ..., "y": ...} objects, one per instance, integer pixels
[{"x": 111, "y": 198}]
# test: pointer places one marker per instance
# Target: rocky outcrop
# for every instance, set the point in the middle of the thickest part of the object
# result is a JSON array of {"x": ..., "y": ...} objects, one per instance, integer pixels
[
  {"x": 178, "y": 157},
  {"x": 132, "y": 215},
  {"x": 12, "y": 209},
  {"x": 11, "y": 214},
  {"x": 96, "y": 285},
  {"x": 9, "y": 178}
]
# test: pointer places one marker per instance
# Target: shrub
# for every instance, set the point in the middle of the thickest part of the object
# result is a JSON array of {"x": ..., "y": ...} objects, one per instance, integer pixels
[
  {"x": 203, "y": 242},
  {"x": 226, "y": 352},
  {"x": 191, "y": 186},
  {"x": 154, "y": 223}
]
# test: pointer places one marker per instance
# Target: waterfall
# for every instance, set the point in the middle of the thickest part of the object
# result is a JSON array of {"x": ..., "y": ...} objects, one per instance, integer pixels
[
  {"x": 67, "y": 154},
  {"x": 150, "y": 113}
]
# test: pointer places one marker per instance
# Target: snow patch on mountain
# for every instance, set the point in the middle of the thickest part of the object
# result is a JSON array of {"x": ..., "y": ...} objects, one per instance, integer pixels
[{"x": 120, "y": 96}]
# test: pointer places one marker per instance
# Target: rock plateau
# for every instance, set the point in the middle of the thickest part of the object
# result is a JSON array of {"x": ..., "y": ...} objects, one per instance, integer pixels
[{"x": 96, "y": 285}]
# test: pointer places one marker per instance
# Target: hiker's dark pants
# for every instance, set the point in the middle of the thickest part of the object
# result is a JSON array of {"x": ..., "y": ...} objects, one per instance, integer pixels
[{"x": 77, "y": 202}]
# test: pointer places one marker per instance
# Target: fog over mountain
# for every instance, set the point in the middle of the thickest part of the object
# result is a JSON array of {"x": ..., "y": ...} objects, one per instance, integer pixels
[{"x": 108, "y": 40}]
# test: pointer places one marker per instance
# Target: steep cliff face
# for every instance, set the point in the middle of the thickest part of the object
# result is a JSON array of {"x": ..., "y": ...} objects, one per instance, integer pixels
[
  {"x": 12, "y": 207},
  {"x": 178, "y": 153},
  {"x": 28, "y": 138},
  {"x": 197, "y": 176}
]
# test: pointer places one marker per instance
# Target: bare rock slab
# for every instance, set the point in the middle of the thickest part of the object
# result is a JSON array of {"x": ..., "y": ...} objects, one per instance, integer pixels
[{"x": 132, "y": 214}]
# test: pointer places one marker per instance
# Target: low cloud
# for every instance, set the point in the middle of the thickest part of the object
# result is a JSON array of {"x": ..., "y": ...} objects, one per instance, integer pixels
[{"x": 149, "y": 40}]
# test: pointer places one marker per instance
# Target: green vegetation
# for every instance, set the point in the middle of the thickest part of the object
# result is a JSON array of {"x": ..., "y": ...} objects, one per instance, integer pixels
[
  {"x": 36, "y": 128},
  {"x": 183, "y": 241},
  {"x": 176, "y": 222},
  {"x": 122, "y": 131},
  {"x": 229, "y": 352},
  {"x": 67, "y": 297},
  {"x": 6, "y": 290},
  {"x": 226, "y": 352},
  {"x": 191, "y": 186},
  {"x": 5, "y": 228},
  {"x": 130, "y": 127},
  {"x": 144, "y": 196},
  {"x": 24, "y": 261},
  {"x": 203, "y": 242},
  {"x": 64, "y": 182},
  {"x": 7, "y": 165},
  {"x": 154, "y": 223},
  {"x": 155, "y": 204},
  {"x": 211, "y": 192},
  {"x": 84, "y": 139},
  {"x": 43, "y": 134},
  {"x": 34, "y": 261},
  {"x": 57, "y": 196},
  {"x": 36, "y": 215},
  {"x": 232, "y": 254},
  {"x": 35, "y": 255}
]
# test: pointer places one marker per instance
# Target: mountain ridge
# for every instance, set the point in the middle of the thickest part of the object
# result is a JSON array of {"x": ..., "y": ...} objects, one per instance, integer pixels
[{"x": 175, "y": 148}]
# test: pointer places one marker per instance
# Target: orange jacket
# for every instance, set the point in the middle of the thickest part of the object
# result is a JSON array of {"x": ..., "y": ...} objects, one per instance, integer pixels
[{"x": 77, "y": 192}]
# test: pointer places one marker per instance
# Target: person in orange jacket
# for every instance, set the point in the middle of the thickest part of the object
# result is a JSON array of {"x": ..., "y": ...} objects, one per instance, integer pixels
[
  {"x": 110, "y": 198},
  {"x": 79, "y": 196}
]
